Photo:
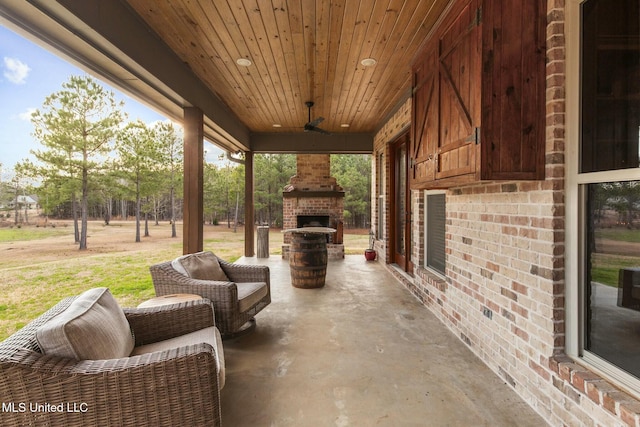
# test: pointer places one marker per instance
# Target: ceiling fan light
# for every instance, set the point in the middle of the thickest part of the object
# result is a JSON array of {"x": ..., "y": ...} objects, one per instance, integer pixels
[
  {"x": 276, "y": 125},
  {"x": 344, "y": 125},
  {"x": 243, "y": 62},
  {"x": 368, "y": 62}
]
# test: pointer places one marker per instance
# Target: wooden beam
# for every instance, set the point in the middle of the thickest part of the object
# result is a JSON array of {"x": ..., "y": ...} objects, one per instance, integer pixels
[
  {"x": 249, "y": 216},
  {"x": 193, "y": 210},
  {"x": 312, "y": 143}
]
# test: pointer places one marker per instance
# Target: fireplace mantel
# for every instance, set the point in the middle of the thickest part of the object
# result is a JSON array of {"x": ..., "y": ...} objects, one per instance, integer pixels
[{"x": 310, "y": 194}]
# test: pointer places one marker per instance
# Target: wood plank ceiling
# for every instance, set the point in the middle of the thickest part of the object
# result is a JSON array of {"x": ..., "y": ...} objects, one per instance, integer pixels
[{"x": 300, "y": 50}]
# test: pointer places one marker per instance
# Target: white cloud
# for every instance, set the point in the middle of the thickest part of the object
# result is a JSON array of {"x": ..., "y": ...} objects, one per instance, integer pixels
[
  {"x": 26, "y": 115},
  {"x": 15, "y": 70}
]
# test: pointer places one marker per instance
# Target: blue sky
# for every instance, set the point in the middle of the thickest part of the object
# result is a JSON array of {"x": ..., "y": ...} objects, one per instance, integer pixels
[{"x": 28, "y": 74}]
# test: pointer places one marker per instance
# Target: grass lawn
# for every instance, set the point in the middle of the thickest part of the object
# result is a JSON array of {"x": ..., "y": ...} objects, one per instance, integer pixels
[
  {"x": 40, "y": 266},
  {"x": 15, "y": 234},
  {"x": 606, "y": 267},
  {"x": 616, "y": 248},
  {"x": 619, "y": 233}
]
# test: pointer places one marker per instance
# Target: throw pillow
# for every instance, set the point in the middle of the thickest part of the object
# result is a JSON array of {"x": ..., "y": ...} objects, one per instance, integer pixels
[
  {"x": 201, "y": 265},
  {"x": 93, "y": 327}
]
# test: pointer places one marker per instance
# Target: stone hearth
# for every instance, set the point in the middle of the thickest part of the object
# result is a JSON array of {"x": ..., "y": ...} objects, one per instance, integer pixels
[{"x": 314, "y": 198}]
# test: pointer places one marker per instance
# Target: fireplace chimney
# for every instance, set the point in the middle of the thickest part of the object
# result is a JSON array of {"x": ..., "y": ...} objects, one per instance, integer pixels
[
  {"x": 313, "y": 173},
  {"x": 313, "y": 193}
]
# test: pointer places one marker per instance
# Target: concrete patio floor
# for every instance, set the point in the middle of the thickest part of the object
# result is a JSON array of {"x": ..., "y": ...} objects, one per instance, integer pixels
[{"x": 361, "y": 351}]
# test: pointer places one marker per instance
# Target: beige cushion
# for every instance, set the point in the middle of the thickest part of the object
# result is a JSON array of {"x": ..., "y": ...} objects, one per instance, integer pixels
[
  {"x": 249, "y": 293},
  {"x": 209, "y": 335},
  {"x": 201, "y": 265},
  {"x": 93, "y": 327}
]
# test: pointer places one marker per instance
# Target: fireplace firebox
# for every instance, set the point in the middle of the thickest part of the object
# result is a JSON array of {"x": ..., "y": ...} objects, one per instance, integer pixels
[{"x": 312, "y": 221}]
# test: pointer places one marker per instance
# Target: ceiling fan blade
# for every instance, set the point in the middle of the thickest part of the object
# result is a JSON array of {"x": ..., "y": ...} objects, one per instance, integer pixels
[
  {"x": 308, "y": 128},
  {"x": 316, "y": 122}
]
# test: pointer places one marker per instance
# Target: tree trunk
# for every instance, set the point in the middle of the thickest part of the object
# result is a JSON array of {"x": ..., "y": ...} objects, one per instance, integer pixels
[
  {"x": 84, "y": 207},
  {"x": 137, "y": 212},
  {"x": 156, "y": 208},
  {"x": 235, "y": 220},
  {"x": 107, "y": 211},
  {"x": 15, "y": 207},
  {"x": 74, "y": 214},
  {"x": 173, "y": 213}
]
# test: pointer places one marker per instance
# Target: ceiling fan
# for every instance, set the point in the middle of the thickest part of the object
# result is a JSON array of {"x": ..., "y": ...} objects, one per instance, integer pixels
[{"x": 312, "y": 126}]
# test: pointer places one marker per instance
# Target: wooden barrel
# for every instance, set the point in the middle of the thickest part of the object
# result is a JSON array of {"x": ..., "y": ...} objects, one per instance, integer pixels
[{"x": 308, "y": 260}]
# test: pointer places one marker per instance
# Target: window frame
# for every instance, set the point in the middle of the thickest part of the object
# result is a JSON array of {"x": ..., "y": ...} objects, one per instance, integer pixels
[
  {"x": 576, "y": 183},
  {"x": 427, "y": 193},
  {"x": 380, "y": 164}
]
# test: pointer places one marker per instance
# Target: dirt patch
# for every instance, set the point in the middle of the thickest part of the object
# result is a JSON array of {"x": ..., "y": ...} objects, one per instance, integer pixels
[
  {"x": 618, "y": 247},
  {"x": 119, "y": 237}
]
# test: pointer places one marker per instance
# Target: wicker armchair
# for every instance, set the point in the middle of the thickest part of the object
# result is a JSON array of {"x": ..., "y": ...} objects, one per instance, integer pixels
[
  {"x": 234, "y": 309},
  {"x": 167, "y": 388}
]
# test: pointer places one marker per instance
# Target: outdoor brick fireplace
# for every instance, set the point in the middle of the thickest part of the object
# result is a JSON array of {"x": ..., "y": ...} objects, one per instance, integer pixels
[{"x": 314, "y": 199}]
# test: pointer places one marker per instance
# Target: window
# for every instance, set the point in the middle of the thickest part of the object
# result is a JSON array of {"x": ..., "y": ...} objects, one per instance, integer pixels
[
  {"x": 381, "y": 207},
  {"x": 434, "y": 233},
  {"x": 612, "y": 273},
  {"x": 610, "y": 85},
  {"x": 603, "y": 186}
]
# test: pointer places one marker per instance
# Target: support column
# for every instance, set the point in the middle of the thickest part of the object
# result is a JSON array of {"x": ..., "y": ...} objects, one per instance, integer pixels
[
  {"x": 249, "y": 211},
  {"x": 193, "y": 210}
]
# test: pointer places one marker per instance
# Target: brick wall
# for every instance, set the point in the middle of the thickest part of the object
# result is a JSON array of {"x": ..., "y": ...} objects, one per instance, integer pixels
[
  {"x": 503, "y": 295},
  {"x": 313, "y": 173}
]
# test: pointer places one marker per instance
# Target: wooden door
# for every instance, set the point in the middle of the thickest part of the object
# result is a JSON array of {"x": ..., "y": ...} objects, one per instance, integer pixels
[{"x": 401, "y": 209}]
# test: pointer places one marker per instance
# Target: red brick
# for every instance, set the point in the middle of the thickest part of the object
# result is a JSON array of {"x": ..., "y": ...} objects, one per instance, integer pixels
[
  {"x": 509, "y": 294},
  {"x": 493, "y": 266},
  {"x": 520, "y": 310},
  {"x": 540, "y": 370},
  {"x": 630, "y": 412},
  {"x": 519, "y": 288},
  {"x": 519, "y": 332},
  {"x": 557, "y": 361},
  {"x": 592, "y": 388},
  {"x": 611, "y": 398},
  {"x": 579, "y": 377}
]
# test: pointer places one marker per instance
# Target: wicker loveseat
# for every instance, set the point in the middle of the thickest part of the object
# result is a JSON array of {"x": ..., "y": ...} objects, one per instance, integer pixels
[
  {"x": 174, "y": 386},
  {"x": 238, "y": 292}
]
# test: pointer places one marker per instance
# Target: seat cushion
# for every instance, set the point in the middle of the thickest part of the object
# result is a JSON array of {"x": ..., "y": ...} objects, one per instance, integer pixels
[
  {"x": 93, "y": 327},
  {"x": 201, "y": 265},
  {"x": 249, "y": 293},
  {"x": 209, "y": 335}
]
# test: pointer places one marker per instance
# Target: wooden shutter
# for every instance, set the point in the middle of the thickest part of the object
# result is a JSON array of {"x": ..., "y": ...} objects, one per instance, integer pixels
[
  {"x": 459, "y": 79},
  {"x": 424, "y": 116},
  {"x": 513, "y": 89},
  {"x": 479, "y": 102}
]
